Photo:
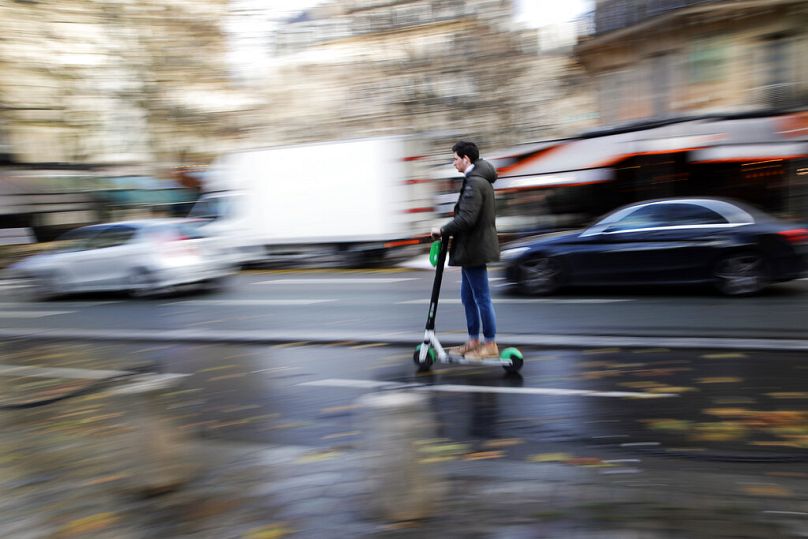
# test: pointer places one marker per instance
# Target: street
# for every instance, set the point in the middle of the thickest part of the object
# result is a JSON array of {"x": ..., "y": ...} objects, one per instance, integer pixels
[
  {"x": 359, "y": 304},
  {"x": 690, "y": 432}
]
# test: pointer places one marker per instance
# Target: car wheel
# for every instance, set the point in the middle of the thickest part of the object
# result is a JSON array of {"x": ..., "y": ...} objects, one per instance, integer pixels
[
  {"x": 42, "y": 287},
  {"x": 142, "y": 283},
  {"x": 540, "y": 275},
  {"x": 741, "y": 274}
]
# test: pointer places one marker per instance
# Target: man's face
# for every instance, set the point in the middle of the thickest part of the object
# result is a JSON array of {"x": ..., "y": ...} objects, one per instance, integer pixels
[{"x": 461, "y": 163}]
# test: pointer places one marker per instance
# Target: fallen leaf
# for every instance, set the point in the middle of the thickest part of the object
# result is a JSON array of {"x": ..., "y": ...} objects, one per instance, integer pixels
[
  {"x": 484, "y": 455},
  {"x": 90, "y": 524},
  {"x": 273, "y": 531},
  {"x": 676, "y": 425},
  {"x": 767, "y": 490},
  {"x": 502, "y": 442},
  {"x": 720, "y": 380},
  {"x": 550, "y": 457}
]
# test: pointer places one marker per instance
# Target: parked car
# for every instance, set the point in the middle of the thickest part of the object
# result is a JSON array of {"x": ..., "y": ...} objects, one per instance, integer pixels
[
  {"x": 669, "y": 241},
  {"x": 139, "y": 257}
]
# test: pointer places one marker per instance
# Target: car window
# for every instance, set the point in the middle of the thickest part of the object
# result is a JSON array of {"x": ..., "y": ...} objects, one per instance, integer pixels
[
  {"x": 694, "y": 214},
  {"x": 175, "y": 231},
  {"x": 191, "y": 230},
  {"x": 112, "y": 237},
  {"x": 650, "y": 216},
  {"x": 210, "y": 208},
  {"x": 76, "y": 239}
]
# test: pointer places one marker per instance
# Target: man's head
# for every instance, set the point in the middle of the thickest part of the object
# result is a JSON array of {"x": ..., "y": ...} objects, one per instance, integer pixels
[{"x": 465, "y": 154}]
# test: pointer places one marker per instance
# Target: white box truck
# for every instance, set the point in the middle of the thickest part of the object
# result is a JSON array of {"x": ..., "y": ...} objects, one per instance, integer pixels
[{"x": 350, "y": 201}]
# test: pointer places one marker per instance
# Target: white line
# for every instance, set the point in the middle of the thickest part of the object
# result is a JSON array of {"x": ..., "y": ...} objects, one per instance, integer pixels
[
  {"x": 68, "y": 304},
  {"x": 455, "y": 388},
  {"x": 245, "y": 302},
  {"x": 512, "y": 301},
  {"x": 344, "y": 382},
  {"x": 31, "y": 314},
  {"x": 544, "y": 391},
  {"x": 639, "y": 444},
  {"x": 349, "y": 280}
]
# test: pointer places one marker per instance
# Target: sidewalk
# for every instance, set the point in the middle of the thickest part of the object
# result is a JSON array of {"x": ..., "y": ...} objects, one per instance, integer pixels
[{"x": 66, "y": 475}]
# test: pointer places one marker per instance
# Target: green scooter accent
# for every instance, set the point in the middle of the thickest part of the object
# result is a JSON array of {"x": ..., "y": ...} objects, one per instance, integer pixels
[
  {"x": 434, "y": 252},
  {"x": 515, "y": 357}
]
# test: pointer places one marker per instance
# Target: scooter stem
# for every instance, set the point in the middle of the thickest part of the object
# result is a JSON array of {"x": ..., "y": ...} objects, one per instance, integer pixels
[{"x": 433, "y": 302}]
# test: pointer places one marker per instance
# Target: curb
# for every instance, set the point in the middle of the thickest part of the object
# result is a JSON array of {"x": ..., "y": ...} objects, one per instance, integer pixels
[{"x": 401, "y": 338}]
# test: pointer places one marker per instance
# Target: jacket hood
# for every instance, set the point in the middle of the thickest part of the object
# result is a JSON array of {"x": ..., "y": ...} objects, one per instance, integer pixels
[{"x": 484, "y": 169}]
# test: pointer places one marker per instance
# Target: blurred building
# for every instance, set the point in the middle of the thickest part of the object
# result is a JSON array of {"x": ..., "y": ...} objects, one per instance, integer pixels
[
  {"x": 439, "y": 68},
  {"x": 92, "y": 91},
  {"x": 115, "y": 82},
  {"x": 694, "y": 98},
  {"x": 657, "y": 59}
]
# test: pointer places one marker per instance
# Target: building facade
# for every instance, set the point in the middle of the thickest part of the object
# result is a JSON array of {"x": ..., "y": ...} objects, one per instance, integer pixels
[
  {"x": 654, "y": 59},
  {"x": 440, "y": 68}
]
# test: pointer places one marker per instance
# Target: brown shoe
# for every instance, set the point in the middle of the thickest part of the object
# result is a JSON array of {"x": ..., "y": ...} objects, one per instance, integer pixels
[
  {"x": 465, "y": 349},
  {"x": 488, "y": 350}
]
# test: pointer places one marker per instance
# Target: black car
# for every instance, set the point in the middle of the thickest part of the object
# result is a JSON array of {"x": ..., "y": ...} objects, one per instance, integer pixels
[{"x": 667, "y": 241}]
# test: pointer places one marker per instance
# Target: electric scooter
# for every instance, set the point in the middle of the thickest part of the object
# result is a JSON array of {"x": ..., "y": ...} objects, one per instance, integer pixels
[{"x": 430, "y": 351}]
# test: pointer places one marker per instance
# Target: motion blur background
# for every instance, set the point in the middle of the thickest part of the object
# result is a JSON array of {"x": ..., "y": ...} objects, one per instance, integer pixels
[
  {"x": 278, "y": 125},
  {"x": 114, "y": 109}
]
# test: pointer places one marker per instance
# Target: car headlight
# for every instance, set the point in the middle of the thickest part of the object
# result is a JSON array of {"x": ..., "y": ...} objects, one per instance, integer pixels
[{"x": 510, "y": 254}]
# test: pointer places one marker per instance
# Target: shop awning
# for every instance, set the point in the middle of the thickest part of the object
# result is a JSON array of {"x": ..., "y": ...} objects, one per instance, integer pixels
[
  {"x": 750, "y": 153},
  {"x": 609, "y": 150},
  {"x": 705, "y": 140},
  {"x": 563, "y": 179}
]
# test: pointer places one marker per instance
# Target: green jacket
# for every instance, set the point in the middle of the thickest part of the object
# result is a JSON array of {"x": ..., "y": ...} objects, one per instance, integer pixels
[{"x": 474, "y": 228}]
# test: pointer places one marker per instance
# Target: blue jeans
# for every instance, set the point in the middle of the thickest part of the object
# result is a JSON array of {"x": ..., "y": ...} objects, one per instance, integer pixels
[{"x": 476, "y": 300}]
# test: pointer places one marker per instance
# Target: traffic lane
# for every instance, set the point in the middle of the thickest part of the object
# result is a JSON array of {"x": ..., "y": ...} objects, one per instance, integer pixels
[
  {"x": 377, "y": 313},
  {"x": 360, "y": 302},
  {"x": 608, "y": 402}
]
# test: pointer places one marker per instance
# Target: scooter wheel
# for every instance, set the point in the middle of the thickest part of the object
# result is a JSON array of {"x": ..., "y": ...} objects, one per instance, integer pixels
[
  {"x": 430, "y": 358},
  {"x": 516, "y": 359}
]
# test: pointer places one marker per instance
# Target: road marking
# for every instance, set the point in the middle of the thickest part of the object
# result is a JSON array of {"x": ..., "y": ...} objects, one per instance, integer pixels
[
  {"x": 369, "y": 345},
  {"x": 512, "y": 301},
  {"x": 268, "y": 302},
  {"x": 290, "y": 344},
  {"x": 640, "y": 444},
  {"x": 347, "y": 280},
  {"x": 456, "y": 388},
  {"x": 68, "y": 304},
  {"x": 343, "y": 382},
  {"x": 31, "y": 314}
]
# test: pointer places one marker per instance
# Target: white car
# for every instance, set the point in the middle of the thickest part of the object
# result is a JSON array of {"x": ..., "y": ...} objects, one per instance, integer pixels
[{"x": 138, "y": 257}]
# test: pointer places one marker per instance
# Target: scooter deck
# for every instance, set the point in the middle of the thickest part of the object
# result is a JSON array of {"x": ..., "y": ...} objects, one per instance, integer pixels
[{"x": 460, "y": 360}]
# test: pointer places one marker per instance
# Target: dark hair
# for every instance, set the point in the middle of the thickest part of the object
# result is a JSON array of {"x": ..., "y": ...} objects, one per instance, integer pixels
[{"x": 466, "y": 149}]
